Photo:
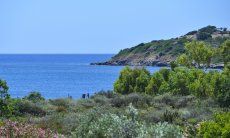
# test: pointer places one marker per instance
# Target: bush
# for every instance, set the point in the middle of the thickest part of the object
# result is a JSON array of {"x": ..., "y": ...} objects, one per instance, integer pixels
[
  {"x": 179, "y": 81},
  {"x": 165, "y": 130},
  {"x": 138, "y": 100},
  {"x": 34, "y": 97},
  {"x": 111, "y": 125},
  {"x": 6, "y": 108},
  {"x": 132, "y": 80},
  {"x": 15, "y": 129},
  {"x": 101, "y": 99},
  {"x": 60, "y": 102},
  {"x": 219, "y": 127},
  {"x": 222, "y": 88},
  {"x": 26, "y": 107},
  {"x": 108, "y": 94},
  {"x": 154, "y": 84},
  {"x": 170, "y": 116}
]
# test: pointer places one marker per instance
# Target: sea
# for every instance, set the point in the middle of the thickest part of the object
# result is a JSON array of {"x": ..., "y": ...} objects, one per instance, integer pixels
[{"x": 58, "y": 75}]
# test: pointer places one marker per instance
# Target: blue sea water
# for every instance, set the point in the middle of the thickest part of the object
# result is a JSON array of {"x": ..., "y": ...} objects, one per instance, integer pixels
[{"x": 57, "y": 76}]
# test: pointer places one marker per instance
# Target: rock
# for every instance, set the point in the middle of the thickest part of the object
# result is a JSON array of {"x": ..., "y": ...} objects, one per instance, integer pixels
[{"x": 162, "y": 64}]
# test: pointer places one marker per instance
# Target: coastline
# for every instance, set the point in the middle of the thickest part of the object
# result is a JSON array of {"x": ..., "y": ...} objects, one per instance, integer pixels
[{"x": 153, "y": 64}]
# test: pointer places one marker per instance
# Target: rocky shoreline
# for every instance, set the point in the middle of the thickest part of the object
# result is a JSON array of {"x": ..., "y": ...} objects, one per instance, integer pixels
[{"x": 153, "y": 63}]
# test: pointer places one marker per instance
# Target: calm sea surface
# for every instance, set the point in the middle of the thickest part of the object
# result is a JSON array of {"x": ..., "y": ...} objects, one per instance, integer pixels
[{"x": 56, "y": 76}]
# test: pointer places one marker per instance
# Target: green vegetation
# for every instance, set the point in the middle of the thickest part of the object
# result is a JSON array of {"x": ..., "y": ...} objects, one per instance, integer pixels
[
  {"x": 165, "y": 51},
  {"x": 184, "y": 101},
  {"x": 132, "y": 80},
  {"x": 219, "y": 127},
  {"x": 225, "y": 52},
  {"x": 34, "y": 97},
  {"x": 196, "y": 53},
  {"x": 5, "y": 104},
  {"x": 181, "y": 81}
]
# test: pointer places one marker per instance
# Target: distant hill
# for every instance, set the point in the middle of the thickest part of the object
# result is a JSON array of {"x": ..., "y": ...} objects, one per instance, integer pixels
[{"x": 162, "y": 52}]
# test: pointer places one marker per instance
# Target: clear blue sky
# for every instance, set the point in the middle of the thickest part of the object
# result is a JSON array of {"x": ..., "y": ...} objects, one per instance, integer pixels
[{"x": 101, "y": 26}]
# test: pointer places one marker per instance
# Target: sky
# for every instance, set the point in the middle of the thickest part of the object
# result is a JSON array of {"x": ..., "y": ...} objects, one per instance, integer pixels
[{"x": 100, "y": 26}]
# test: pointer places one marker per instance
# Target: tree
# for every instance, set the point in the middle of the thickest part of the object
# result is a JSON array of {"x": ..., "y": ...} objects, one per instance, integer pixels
[
  {"x": 3, "y": 90},
  {"x": 142, "y": 82},
  {"x": 222, "y": 88},
  {"x": 5, "y": 108},
  {"x": 179, "y": 81},
  {"x": 155, "y": 83},
  {"x": 219, "y": 127},
  {"x": 132, "y": 80},
  {"x": 225, "y": 52},
  {"x": 184, "y": 60},
  {"x": 124, "y": 83},
  {"x": 197, "y": 52},
  {"x": 173, "y": 65}
]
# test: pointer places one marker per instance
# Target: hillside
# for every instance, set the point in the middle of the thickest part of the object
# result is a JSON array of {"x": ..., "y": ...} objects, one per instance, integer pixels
[{"x": 162, "y": 52}]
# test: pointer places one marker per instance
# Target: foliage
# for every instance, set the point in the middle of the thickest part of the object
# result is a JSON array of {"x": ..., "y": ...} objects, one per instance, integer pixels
[
  {"x": 219, "y": 127},
  {"x": 6, "y": 108},
  {"x": 23, "y": 107},
  {"x": 34, "y": 97},
  {"x": 173, "y": 65},
  {"x": 154, "y": 84},
  {"x": 169, "y": 50},
  {"x": 222, "y": 88},
  {"x": 132, "y": 80},
  {"x": 184, "y": 60},
  {"x": 170, "y": 116},
  {"x": 197, "y": 52},
  {"x": 225, "y": 52},
  {"x": 168, "y": 103},
  {"x": 111, "y": 125},
  {"x": 11, "y": 129},
  {"x": 208, "y": 29},
  {"x": 165, "y": 130},
  {"x": 180, "y": 81}
]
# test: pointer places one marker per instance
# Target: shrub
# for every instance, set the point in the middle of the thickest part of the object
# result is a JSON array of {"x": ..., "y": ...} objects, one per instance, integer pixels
[
  {"x": 219, "y": 127},
  {"x": 60, "y": 102},
  {"x": 34, "y": 97},
  {"x": 179, "y": 81},
  {"x": 223, "y": 88},
  {"x": 170, "y": 116},
  {"x": 138, "y": 100},
  {"x": 101, "y": 99},
  {"x": 61, "y": 109},
  {"x": 132, "y": 80},
  {"x": 166, "y": 98},
  {"x": 6, "y": 108},
  {"x": 224, "y": 52},
  {"x": 26, "y": 107},
  {"x": 165, "y": 130},
  {"x": 119, "y": 102},
  {"x": 108, "y": 94},
  {"x": 154, "y": 84},
  {"x": 15, "y": 129},
  {"x": 111, "y": 125},
  {"x": 52, "y": 122}
]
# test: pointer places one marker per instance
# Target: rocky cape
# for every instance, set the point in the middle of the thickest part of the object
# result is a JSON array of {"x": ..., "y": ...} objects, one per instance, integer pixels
[{"x": 162, "y": 52}]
